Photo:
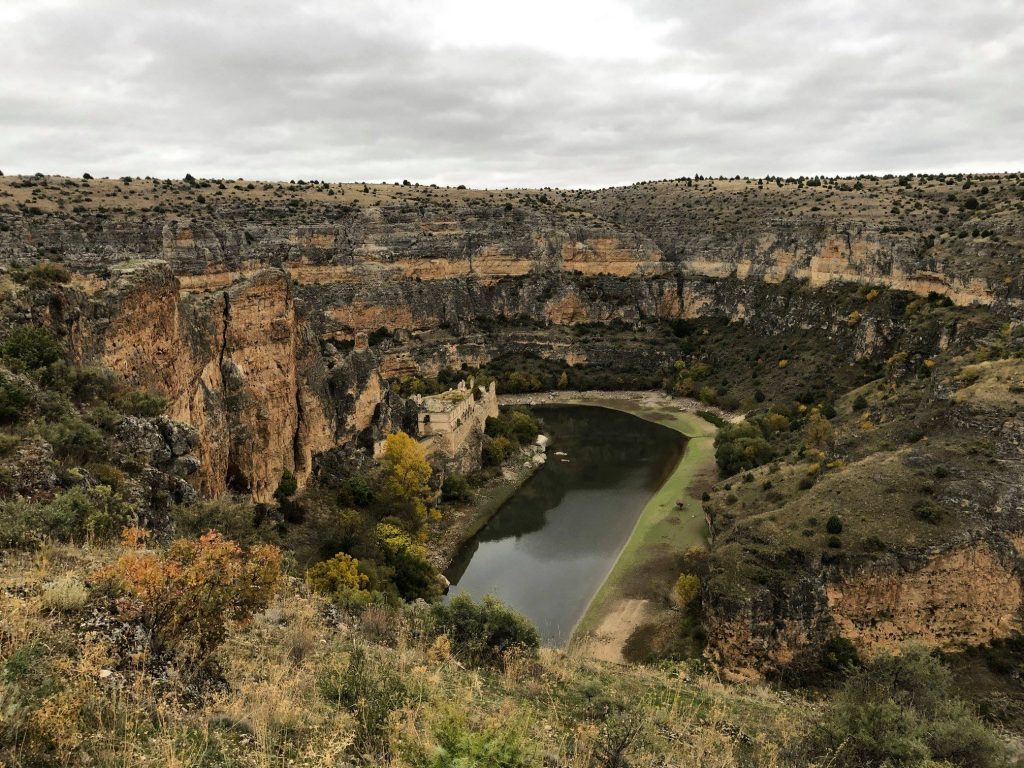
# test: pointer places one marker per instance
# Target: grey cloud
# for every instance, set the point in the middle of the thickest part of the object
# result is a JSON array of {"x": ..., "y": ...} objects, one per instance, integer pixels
[{"x": 275, "y": 90}]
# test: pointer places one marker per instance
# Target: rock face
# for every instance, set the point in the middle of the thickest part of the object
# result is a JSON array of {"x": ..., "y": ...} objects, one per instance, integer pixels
[{"x": 239, "y": 366}]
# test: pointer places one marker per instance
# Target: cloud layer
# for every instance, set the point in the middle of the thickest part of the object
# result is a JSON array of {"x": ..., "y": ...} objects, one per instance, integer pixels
[{"x": 534, "y": 93}]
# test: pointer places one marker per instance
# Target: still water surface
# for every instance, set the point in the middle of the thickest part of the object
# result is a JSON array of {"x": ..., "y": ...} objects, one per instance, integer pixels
[{"x": 547, "y": 550}]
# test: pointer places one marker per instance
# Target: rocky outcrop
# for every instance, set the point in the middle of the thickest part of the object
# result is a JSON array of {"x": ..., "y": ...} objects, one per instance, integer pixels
[{"x": 239, "y": 366}]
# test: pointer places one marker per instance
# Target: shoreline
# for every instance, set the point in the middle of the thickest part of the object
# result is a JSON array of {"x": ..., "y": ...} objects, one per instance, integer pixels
[{"x": 611, "y": 615}]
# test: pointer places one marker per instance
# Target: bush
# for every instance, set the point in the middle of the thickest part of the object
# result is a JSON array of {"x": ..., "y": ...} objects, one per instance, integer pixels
[
  {"x": 65, "y": 595},
  {"x": 145, "y": 404},
  {"x": 74, "y": 440},
  {"x": 496, "y": 451},
  {"x": 860, "y": 403},
  {"x": 43, "y": 275},
  {"x": 686, "y": 590},
  {"x": 411, "y": 572},
  {"x": 14, "y": 401},
  {"x": 81, "y": 513},
  {"x": 518, "y": 425},
  {"x": 184, "y": 598},
  {"x": 340, "y": 580},
  {"x": 482, "y": 633},
  {"x": 834, "y": 525},
  {"x": 372, "y": 689},
  {"x": 456, "y": 488},
  {"x": 453, "y": 742},
  {"x": 31, "y": 347},
  {"x": 903, "y": 710},
  {"x": 355, "y": 492},
  {"x": 234, "y": 516}
]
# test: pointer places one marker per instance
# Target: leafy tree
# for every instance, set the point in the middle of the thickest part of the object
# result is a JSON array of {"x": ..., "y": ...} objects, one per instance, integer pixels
[
  {"x": 411, "y": 572},
  {"x": 286, "y": 488},
  {"x": 406, "y": 480}
]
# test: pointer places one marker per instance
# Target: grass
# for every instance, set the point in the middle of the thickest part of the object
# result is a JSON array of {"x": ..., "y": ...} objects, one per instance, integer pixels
[
  {"x": 663, "y": 529},
  {"x": 301, "y": 688}
]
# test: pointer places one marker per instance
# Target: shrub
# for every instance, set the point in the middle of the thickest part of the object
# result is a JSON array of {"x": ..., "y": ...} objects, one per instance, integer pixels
[
  {"x": 516, "y": 424},
  {"x": 355, "y": 492},
  {"x": 140, "y": 403},
  {"x": 453, "y": 742},
  {"x": 340, "y": 580},
  {"x": 860, "y": 403},
  {"x": 456, "y": 488},
  {"x": 411, "y": 572},
  {"x": 234, "y": 516},
  {"x": 834, "y": 525},
  {"x": 184, "y": 598},
  {"x": 43, "y": 275},
  {"x": 903, "y": 710},
  {"x": 286, "y": 488},
  {"x": 14, "y": 401},
  {"x": 31, "y": 347},
  {"x": 496, "y": 451},
  {"x": 372, "y": 689},
  {"x": 78, "y": 514},
  {"x": 65, "y": 595},
  {"x": 482, "y": 633},
  {"x": 74, "y": 439},
  {"x": 686, "y": 590}
]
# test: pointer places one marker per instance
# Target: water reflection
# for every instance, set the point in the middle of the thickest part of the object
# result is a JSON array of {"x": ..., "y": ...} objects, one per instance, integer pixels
[{"x": 549, "y": 547}]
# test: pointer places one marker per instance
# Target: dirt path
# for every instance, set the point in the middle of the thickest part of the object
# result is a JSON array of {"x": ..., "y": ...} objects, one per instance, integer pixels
[{"x": 606, "y": 641}]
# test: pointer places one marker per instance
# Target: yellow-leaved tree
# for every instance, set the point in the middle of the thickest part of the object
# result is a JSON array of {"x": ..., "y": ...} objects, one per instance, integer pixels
[{"x": 406, "y": 481}]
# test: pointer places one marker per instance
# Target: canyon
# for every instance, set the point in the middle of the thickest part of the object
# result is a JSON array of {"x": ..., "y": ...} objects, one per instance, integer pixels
[{"x": 276, "y": 320}]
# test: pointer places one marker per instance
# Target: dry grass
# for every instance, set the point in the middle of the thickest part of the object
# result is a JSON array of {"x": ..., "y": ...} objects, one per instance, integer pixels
[{"x": 76, "y": 701}]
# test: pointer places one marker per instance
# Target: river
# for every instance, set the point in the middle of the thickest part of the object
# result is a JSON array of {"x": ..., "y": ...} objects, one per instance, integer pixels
[{"x": 549, "y": 547}]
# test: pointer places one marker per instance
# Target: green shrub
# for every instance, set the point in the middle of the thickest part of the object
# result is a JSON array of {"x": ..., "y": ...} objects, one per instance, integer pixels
[
  {"x": 903, "y": 710},
  {"x": 454, "y": 742},
  {"x": 8, "y": 443},
  {"x": 234, "y": 516},
  {"x": 517, "y": 424},
  {"x": 340, "y": 580},
  {"x": 355, "y": 492},
  {"x": 860, "y": 403},
  {"x": 14, "y": 401},
  {"x": 371, "y": 689},
  {"x": 411, "y": 573},
  {"x": 74, "y": 515},
  {"x": 834, "y": 525},
  {"x": 139, "y": 403},
  {"x": 482, "y": 633},
  {"x": 31, "y": 347},
  {"x": 74, "y": 440},
  {"x": 496, "y": 451},
  {"x": 43, "y": 275},
  {"x": 456, "y": 488}
]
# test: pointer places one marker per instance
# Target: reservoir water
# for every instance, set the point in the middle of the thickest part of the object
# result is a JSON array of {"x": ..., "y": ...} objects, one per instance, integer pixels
[{"x": 550, "y": 546}]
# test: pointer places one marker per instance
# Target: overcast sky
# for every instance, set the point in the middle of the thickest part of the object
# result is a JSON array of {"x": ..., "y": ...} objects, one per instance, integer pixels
[{"x": 525, "y": 93}]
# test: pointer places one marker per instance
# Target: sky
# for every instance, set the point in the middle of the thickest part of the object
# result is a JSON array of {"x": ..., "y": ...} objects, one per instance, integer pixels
[{"x": 533, "y": 93}]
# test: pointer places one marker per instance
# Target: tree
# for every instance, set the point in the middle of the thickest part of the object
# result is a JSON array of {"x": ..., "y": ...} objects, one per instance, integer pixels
[
  {"x": 818, "y": 432},
  {"x": 687, "y": 589},
  {"x": 406, "y": 482},
  {"x": 412, "y": 574}
]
